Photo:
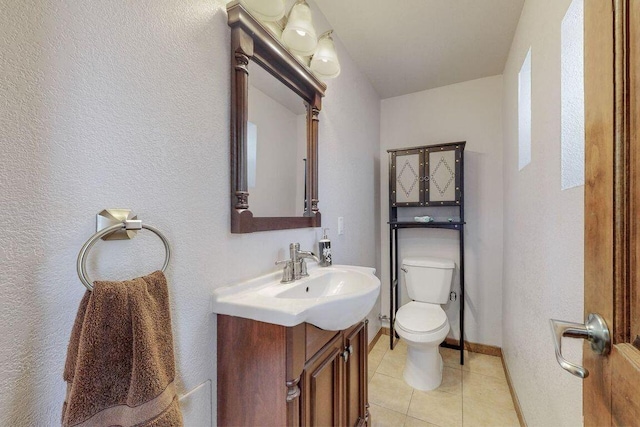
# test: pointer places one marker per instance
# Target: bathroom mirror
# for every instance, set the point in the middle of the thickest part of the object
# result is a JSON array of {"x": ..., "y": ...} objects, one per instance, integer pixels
[
  {"x": 276, "y": 147},
  {"x": 274, "y": 168}
]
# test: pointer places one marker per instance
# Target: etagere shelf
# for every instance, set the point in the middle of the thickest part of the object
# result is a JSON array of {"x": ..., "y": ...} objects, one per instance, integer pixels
[{"x": 425, "y": 177}]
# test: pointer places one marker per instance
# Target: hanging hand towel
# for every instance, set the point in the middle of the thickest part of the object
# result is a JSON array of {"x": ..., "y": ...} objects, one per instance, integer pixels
[{"x": 120, "y": 368}]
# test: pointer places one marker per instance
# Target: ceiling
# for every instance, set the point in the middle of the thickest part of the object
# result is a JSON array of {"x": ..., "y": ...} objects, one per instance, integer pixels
[{"x": 413, "y": 45}]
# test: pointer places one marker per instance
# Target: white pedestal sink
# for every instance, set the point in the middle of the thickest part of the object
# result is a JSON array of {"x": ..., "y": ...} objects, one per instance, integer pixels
[{"x": 331, "y": 298}]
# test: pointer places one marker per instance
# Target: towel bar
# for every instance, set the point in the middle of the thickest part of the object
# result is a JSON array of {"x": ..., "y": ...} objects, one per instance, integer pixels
[{"x": 122, "y": 221}]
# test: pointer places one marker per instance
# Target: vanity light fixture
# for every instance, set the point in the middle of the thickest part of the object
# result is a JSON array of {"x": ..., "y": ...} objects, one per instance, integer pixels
[
  {"x": 266, "y": 10},
  {"x": 299, "y": 35},
  {"x": 275, "y": 27},
  {"x": 324, "y": 62}
]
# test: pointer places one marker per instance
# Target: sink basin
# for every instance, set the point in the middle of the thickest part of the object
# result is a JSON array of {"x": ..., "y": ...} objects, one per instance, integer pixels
[
  {"x": 330, "y": 283},
  {"x": 331, "y": 298}
]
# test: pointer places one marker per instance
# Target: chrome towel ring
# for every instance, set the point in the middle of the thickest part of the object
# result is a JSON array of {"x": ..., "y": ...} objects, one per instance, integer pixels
[{"x": 122, "y": 224}]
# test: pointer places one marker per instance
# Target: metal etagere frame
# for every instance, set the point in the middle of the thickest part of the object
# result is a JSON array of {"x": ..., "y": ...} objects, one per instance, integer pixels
[{"x": 424, "y": 200}]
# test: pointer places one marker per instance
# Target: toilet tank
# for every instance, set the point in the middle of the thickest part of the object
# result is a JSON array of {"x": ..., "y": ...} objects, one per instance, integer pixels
[{"x": 428, "y": 279}]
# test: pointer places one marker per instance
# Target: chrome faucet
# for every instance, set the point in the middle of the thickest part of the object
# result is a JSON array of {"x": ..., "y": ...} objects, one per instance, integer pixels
[
  {"x": 296, "y": 267},
  {"x": 287, "y": 271},
  {"x": 298, "y": 257}
]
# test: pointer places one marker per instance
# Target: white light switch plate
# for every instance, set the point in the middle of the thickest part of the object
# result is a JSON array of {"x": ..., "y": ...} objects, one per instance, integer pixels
[{"x": 340, "y": 226}]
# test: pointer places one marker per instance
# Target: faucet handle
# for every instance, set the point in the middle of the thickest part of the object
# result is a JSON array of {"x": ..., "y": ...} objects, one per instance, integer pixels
[
  {"x": 287, "y": 271},
  {"x": 303, "y": 268}
]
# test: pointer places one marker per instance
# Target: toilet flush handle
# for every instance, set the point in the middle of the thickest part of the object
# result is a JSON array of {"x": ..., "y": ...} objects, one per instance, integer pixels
[{"x": 404, "y": 269}]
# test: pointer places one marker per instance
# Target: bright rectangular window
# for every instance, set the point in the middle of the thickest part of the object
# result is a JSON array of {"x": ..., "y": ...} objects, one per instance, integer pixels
[
  {"x": 524, "y": 112},
  {"x": 572, "y": 94}
]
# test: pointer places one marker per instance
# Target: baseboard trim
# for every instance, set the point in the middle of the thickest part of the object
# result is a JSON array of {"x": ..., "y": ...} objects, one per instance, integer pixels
[
  {"x": 375, "y": 339},
  {"x": 470, "y": 346},
  {"x": 473, "y": 347},
  {"x": 514, "y": 396}
]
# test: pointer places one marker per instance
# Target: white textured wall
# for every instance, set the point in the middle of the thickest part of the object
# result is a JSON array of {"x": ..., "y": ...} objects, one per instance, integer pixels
[
  {"x": 126, "y": 104},
  {"x": 472, "y": 112},
  {"x": 349, "y": 165},
  {"x": 543, "y": 235}
]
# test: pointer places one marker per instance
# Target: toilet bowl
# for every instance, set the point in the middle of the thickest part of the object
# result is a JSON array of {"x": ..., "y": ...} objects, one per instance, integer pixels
[
  {"x": 423, "y": 327},
  {"x": 422, "y": 323}
]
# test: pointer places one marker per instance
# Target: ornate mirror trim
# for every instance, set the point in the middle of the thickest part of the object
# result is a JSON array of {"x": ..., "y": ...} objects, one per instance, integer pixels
[{"x": 251, "y": 41}]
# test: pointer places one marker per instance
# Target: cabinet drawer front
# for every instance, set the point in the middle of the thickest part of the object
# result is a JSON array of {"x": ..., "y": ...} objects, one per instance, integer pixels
[{"x": 316, "y": 339}]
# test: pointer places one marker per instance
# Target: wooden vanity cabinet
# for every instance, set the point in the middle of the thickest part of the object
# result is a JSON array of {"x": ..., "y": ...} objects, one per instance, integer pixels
[{"x": 271, "y": 375}]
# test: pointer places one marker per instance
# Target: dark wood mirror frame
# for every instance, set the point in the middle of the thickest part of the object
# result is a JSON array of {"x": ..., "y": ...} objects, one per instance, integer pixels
[{"x": 250, "y": 41}]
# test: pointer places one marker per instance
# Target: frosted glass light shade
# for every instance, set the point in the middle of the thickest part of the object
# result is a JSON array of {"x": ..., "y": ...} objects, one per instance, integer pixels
[
  {"x": 304, "y": 59},
  {"x": 325, "y": 60},
  {"x": 266, "y": 10},
  {"x": 299, "y": 34},
  {"x": 274, "y": 27}
]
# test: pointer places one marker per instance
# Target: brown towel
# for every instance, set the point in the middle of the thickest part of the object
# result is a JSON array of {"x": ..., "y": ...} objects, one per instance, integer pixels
[{"x": 120, "y": 368}]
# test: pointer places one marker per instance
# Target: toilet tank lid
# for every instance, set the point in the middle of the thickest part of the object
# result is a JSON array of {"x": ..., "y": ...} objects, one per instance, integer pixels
[{"x": 431, "y": 262}]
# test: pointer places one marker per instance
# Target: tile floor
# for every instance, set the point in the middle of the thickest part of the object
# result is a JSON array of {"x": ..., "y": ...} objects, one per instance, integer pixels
[{"x": 475, "y": 394}]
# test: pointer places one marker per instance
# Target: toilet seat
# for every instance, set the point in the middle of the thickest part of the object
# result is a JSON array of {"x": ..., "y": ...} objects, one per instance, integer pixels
[
  {"x": 419, "y": 317},
  {"x": 423, "y": 326},
  {"x": 421, "y": 322}
]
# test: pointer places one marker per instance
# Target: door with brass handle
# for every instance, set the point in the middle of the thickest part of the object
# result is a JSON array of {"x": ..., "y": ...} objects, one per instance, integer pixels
[{"x": 594, "y": 330}]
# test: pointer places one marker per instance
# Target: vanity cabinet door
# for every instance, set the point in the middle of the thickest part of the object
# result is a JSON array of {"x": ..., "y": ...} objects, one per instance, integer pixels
[
  {"x": 271, "y": 375},
  {"x": 322, "y": 386},
  {"x": 357, "y": 405}
]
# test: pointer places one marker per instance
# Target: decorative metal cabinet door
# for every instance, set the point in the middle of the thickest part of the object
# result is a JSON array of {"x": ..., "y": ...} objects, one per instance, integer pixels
[
  {"x": 407, "y": 175},
  {"x": 443, "y": 177}
]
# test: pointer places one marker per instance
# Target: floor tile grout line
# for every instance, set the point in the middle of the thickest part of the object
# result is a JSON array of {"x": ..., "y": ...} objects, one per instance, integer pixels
[
  {"x": 390, "y": 410},
  {"x": 485, "y": 375},
  {"x": 462, "y": 388}
]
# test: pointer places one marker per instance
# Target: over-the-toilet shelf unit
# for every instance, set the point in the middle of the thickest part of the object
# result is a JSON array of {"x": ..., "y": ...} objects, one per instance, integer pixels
[{"x": 425, "y": 177}]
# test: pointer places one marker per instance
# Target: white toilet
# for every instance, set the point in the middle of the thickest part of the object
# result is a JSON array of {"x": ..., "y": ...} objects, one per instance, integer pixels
[{"x": 422, "y": 323}]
